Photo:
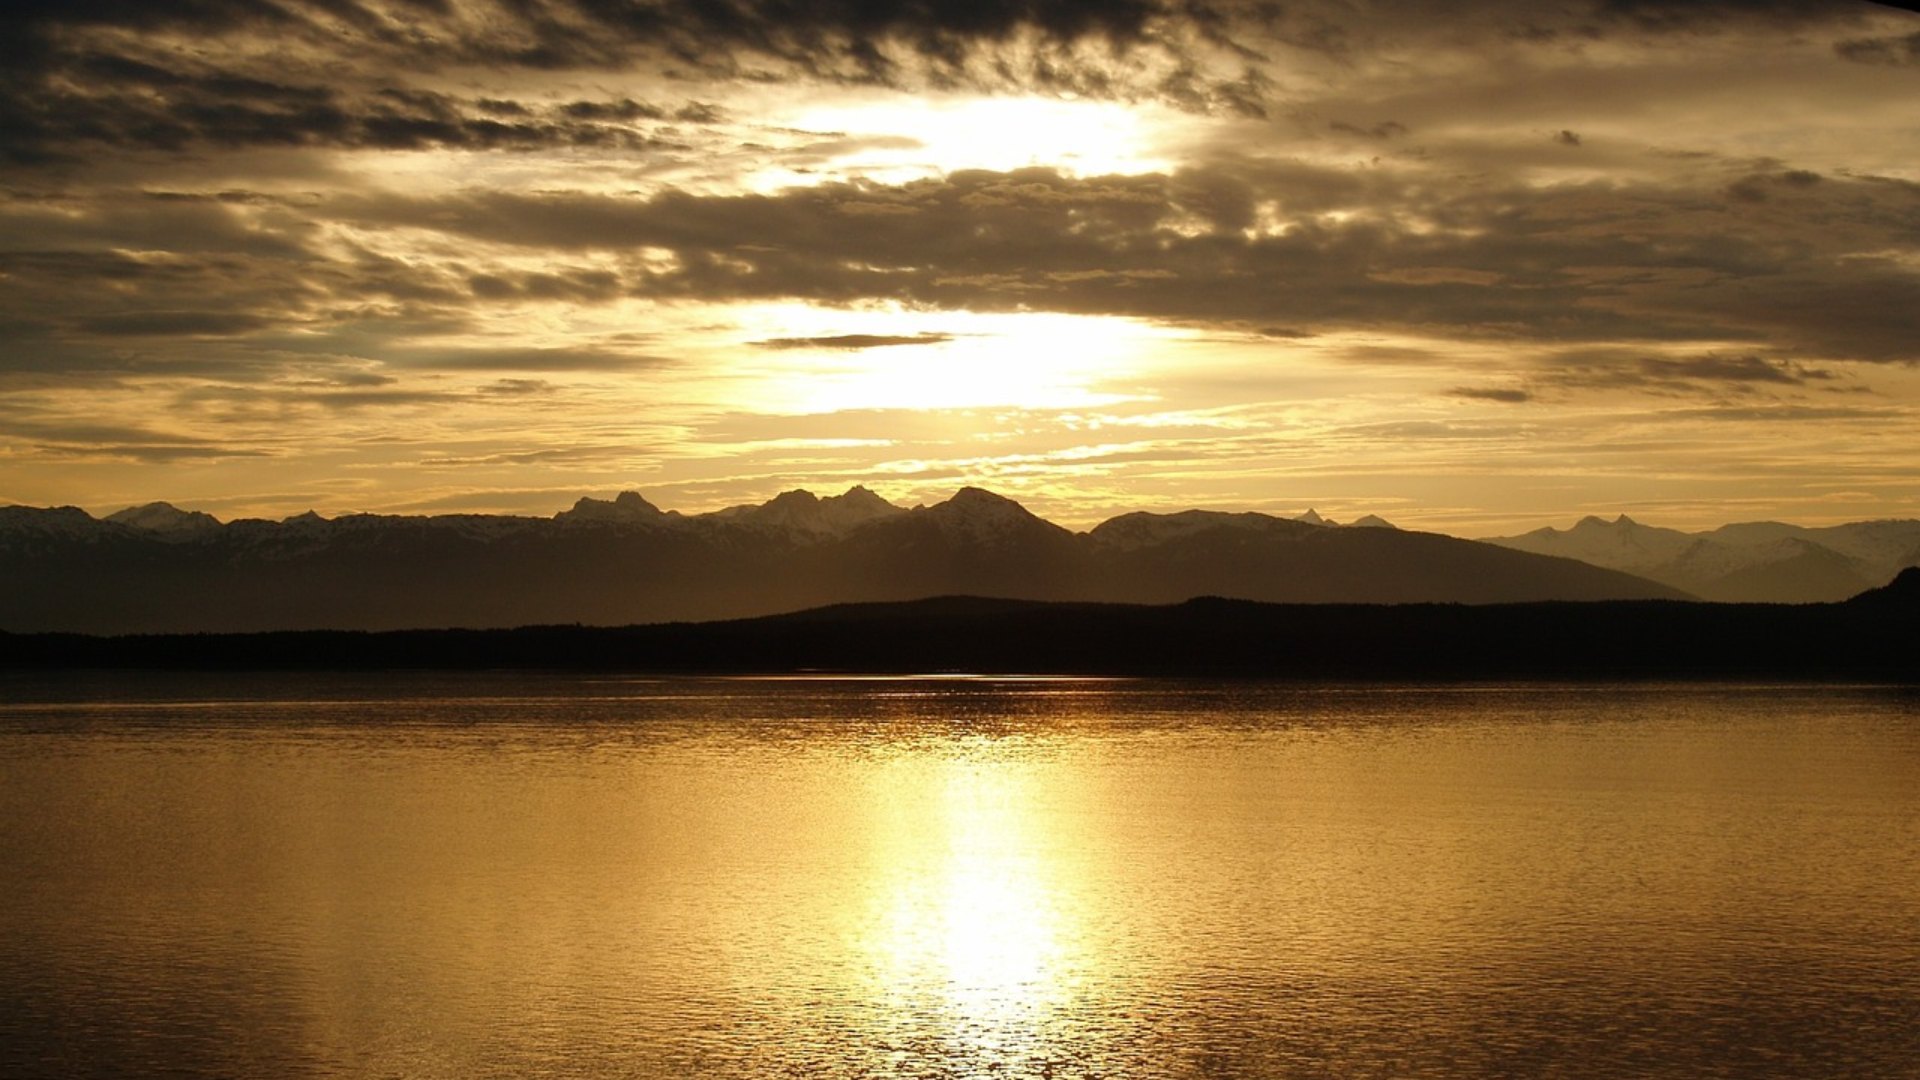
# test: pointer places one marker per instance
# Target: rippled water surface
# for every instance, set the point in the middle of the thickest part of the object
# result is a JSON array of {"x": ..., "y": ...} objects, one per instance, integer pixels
[{"x": 508, "y": 876}]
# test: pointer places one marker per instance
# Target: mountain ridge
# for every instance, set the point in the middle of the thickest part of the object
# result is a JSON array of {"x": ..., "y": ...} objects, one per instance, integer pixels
[
  {"x": 1751, "y": 562},
  {"x": 625, "y": 560}
]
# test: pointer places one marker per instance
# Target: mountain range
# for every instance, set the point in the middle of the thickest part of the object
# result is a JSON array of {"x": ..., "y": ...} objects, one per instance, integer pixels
[
  {"x": 1754, "y": 562},
  {"x": 156, "y": 568}
]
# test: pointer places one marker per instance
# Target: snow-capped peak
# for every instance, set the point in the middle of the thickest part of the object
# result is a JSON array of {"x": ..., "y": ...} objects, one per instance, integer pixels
[
  {"x": 166, "y": 519},
  {"x": 802, "y": 512},
  {"x": 979, "y": 514}
]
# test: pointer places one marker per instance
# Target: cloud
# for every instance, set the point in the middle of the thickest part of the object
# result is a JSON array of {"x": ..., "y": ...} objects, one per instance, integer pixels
[
  {"x": 173, "y": 324},
  {"x": 510, "y": 358},
  {"x": 1386, "y": 129},
  {"x": 1699, "y": 16},
  {"x": 549, "y": 456},
  {"x": 100, "y": 441},
  {"x": 137, "y": 106},
  {"x": 1709, "y": 373},
  {"x": 1593, "y": 262},
  {"x": 1507, "y": 395},
  {"x": 104, "y": 72},
  {"x": 854, "y": 341},
  {"x": 518, "y": 387},
  {"x": 1892, "y": 50},
  {"x": 1788, "y": 414},
  {"x": 281, "y": 400},
  {"x": 1729, "y": 369}
]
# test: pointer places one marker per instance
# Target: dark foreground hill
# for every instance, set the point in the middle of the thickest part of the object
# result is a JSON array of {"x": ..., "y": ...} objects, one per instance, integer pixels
[{"x": 1874, "y": 637}]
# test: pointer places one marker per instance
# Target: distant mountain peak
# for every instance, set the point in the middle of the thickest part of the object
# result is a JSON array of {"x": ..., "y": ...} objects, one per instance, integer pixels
[
  {"x": 1142, "y": 529},
  {"x": 978, "y": 496},
  {"x": 163, "y": 517},
  {"x": 802, "y": 512},
  {"x": 1312, "y": 517},
  {"x": 859, "y": 495},
  {"x": 628, "y": 506},
  {"x": 796, "y": 497},
  {"x": 984, "y": 515},
  {"x": 1619, "y": 521},
  {"x": 1373, "y": 521}
]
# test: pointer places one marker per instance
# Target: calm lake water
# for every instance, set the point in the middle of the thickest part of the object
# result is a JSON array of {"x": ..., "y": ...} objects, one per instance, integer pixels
[{"x": 512, "y": 876}]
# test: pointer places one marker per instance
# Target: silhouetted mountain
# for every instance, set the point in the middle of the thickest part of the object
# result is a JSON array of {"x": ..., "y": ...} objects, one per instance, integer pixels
[
  {"x": 1762, "y": 561},
  {"x": 627, "y": 508},
  {"x": 625, "y": 560},
  {"x": 1171, "y": 557}
]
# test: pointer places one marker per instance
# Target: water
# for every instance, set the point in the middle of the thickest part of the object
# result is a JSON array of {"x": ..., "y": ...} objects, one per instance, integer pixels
[{"x": 512, "y": 876}]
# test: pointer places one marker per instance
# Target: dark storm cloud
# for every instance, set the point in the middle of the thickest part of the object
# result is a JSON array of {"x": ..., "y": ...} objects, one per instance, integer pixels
[
  {"x": 1573, "y": 263},
  {"x": 67, "y": 78},
  {"x": 136, "y": 106},
  {"x": 173, "y": 75}
]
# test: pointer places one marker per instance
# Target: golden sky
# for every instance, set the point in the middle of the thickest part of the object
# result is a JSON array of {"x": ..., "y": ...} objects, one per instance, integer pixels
[{"x": 1472, "y": 268}]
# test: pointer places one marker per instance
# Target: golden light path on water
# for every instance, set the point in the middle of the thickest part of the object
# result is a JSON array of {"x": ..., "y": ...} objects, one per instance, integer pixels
[{"x": 972, "y": 932}]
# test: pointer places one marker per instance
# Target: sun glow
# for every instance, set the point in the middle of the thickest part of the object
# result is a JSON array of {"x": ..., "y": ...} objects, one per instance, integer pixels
[
  {"x": 829, "y": 361},
  {"x": 1087, "y": 138}
]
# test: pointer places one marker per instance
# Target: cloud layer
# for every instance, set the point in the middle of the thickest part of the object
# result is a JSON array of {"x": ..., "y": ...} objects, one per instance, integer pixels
[{"x": 323, "y": 250}]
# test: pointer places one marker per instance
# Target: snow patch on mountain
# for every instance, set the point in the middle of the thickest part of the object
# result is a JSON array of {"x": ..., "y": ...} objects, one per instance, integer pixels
[
  {"x": 977, "y": 515},
  {"x": 803, "y": 514},
  {"x": 167, "y": 520}
]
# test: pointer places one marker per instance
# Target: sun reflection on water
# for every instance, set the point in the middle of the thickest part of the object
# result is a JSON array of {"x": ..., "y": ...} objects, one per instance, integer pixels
[{"x": 974, "y": 936}]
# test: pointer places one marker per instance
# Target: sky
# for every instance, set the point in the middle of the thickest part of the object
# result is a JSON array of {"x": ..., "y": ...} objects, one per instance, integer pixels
[{"x": 1474, "y": 268}]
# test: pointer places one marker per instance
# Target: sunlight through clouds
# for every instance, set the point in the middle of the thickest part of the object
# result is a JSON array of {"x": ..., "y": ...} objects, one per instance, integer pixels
[
  {"x": 274, "y": 262},
  {"x": 1084, "y": 138},
  {"x": 1031, "y": 361}
]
